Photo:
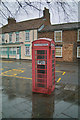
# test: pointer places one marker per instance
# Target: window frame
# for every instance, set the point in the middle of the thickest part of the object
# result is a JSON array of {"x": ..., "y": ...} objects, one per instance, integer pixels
[
  {"x": 12, "y": 51},
  {"x": 77, "y": 52},
  {"x": 61, "y": 51},
  {"x": 10, "y": 34},
  {"x": 17, "y": 33},
  {"x": 2, "y": 38},
  {"x": 27, "y": 32},
  {"x": 27, "y": 45},
  {"x": 78, "y": 39},
  {"x": 55, "y": 35}
]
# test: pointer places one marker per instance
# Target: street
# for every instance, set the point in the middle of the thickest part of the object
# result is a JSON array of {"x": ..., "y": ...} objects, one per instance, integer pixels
[{"x": 18, "y": 101}]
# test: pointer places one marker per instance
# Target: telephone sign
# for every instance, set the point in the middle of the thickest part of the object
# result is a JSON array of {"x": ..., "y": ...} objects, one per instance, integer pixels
[{"x": 40, "y": 44}]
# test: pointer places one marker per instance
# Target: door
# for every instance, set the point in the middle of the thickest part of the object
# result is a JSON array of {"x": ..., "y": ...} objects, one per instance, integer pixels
[
  {"x": 17, "y": 53},
  {"x": 41, "y": 68}
]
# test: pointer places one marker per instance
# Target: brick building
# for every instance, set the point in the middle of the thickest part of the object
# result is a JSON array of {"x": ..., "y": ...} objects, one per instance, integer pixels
[{"x": 67, "y": 40}]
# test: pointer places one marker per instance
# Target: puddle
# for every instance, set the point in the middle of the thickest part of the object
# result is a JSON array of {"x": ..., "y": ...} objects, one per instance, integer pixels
[
  {"x": 18, "y": 98},
  {"x": 1, "y": 88},
  {"x": 70, "y": 87}
]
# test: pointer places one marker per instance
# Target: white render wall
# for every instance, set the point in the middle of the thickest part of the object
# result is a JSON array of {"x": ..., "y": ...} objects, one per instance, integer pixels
[{"x": 33, "y": 36}]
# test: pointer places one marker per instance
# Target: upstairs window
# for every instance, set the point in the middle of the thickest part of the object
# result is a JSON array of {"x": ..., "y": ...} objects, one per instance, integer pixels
[
  {"x": 58, "y": 51},
  {"x": 10, "y": 37},
  {"x": 78, "y": 35},
  {"x": 17, "y": 36},
  {"x": 27, "y": 36},
  {"x": 58, "y": 36},
  {"x": 3, "y": 38},
  {"x": 78, "y": 52}
]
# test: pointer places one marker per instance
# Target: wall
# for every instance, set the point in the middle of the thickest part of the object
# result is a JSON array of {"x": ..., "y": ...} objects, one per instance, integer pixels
[
  {"x": 33, "y": 36},
  {"x": 45, "y": 35},
  {"x": 69, "y": 44}
]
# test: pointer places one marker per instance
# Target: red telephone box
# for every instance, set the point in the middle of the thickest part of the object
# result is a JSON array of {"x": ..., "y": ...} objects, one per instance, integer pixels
[{"x": 43, "y": 65}]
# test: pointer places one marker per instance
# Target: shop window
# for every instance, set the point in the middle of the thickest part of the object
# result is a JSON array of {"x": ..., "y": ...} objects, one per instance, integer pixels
[
  {"x": 58, "y": 36},
  {"x": 78, "y": 35},
  {"x": 12, "y": 51},
  {"x": 78, "y": 52},
  {"x": 58, "y": 51},
  {"x": 3, "y": 51},
  {"x": 27, "y": 34},
  {"x": 27, "y": 50}
]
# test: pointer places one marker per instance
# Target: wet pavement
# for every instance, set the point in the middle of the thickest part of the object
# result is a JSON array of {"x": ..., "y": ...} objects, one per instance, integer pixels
[{"x": 18, "y": 101}]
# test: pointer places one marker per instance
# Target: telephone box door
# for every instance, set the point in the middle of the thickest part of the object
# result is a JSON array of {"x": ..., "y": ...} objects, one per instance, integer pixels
[{"x": 41, "y": 68}]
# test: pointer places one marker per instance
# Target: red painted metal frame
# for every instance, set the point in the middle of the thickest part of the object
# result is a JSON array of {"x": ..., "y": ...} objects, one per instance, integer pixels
[{"x": 47, "y": 79}]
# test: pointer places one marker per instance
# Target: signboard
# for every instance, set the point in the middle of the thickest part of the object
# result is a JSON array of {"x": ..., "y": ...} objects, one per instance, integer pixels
[
  {"x": 40, "y": 44},
  {"x": 40, "y": 62}
]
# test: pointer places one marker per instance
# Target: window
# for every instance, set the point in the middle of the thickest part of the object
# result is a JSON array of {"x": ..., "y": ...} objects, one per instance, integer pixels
[
  {"x": 10, "y": 37},
  {"x": 27, "y": 50},
  {"x": 27, "y": 36},
  {"x": 0, "y": 50},
  {"x": 78, "y": 35},
  {"x": 17, "y": 36},
  {"x": 58, "y": 51},
  {"x": 3, "y": 38},
  {"x": 4, "y": 51},
  {"x": 58, "y": 36},
  {"x": 78, "y": 52},
  {"x": 12, "y": 51}
]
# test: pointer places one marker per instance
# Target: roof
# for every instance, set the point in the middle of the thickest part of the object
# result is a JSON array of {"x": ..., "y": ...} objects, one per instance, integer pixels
[
  {"x": 24, "y": 25},
  {"x": 48, "y": 39},
  {"x": 65, "y": 26}
]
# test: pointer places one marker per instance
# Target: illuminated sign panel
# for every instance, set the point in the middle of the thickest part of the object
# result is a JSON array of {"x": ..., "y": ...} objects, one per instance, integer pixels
[{"x": 40, "y": 44}]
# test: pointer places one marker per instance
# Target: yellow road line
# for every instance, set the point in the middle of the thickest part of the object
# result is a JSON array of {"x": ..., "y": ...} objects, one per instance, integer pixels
[
  {"x": 58, "y": 80},
  {"x": 18, "y": 70},
  {"x": 5, "y": 61},
  {"x": 17, "y": 76},
  {"x": 23, "y": 77},
  {"x": 57, "y": 65},
  {"x": 63, "y": 73},
  {"x": 1, "y": 69}
]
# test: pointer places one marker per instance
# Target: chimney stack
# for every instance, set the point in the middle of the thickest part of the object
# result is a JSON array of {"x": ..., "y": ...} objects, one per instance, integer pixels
[
  {"x": 11, "y": 20},
  {"x": 46, "y": 16}
]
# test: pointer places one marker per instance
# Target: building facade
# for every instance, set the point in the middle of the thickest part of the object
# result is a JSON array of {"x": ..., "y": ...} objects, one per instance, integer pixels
[
  {"x": 67, "y": 40},
  {"x": 16, "y": 37}
]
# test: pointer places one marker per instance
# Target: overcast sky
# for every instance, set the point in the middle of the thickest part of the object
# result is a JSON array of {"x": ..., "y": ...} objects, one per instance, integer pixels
[{"x": 26, "y": 12}]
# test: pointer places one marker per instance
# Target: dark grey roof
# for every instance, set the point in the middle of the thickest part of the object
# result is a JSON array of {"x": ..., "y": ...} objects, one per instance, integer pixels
[
  {"x": 65, "y": 26},
  {"x": 24, "y": 25}
]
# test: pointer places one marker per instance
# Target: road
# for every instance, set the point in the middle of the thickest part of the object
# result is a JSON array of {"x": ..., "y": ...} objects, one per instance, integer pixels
[{"x": 19, "y": 102}]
